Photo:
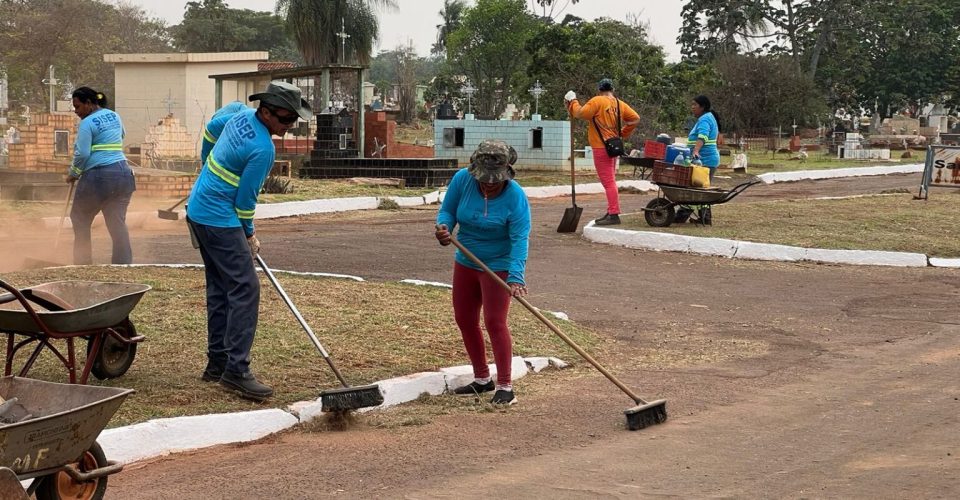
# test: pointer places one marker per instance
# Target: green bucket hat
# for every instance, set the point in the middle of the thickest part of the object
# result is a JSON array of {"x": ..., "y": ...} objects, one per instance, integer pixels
[
  {"x": 492, "y": 162},
  {"x": 286, "y": 96}
]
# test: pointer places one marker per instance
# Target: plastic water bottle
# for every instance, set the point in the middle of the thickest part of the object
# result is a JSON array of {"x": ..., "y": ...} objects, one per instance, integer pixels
[
  {"x": 697, "y": 162},
  {"x": 679, "y": 160}
]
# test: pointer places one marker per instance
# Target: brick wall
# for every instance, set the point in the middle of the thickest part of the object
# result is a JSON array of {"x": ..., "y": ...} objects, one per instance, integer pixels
[
  {"x": 554, "y": 153},
  {"x": 168, "y": 139},
  {"x": 37, "y": 141},
  {"x": 378, "y": 125}
]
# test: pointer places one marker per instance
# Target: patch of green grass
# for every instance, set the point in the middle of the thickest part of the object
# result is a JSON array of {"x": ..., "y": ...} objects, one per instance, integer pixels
[
  {"x": 373, "y": 331},
  {"x": 890, "y": 222}
]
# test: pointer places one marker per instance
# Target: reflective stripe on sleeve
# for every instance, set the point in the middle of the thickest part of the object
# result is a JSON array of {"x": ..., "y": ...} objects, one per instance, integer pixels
[
  {"x": 245, "y": 214},
  {"x": 218, "y": 170}
]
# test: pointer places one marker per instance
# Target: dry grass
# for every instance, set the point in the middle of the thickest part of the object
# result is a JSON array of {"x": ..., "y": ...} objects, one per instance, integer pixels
[
  {"x": 890, "y": 222},
  {"x": 373, "y": 330},
  {"x": 763, "y": 163}
]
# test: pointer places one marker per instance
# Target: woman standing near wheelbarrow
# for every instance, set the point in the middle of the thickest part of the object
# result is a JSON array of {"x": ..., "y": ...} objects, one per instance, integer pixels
[
  {"x": 703, "y": 136},
  {"x": 494, "y": 218},
  {"x": 105, "y": 180}
]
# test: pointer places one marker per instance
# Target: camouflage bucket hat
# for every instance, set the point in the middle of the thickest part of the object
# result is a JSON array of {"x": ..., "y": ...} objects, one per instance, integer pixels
[{"x": 492, "y": 161}]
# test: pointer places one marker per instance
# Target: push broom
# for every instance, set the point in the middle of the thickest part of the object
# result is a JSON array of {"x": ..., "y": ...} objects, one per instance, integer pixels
[
  {"x": 644, "y": 414},
  {"x": 335, "y": 400}
]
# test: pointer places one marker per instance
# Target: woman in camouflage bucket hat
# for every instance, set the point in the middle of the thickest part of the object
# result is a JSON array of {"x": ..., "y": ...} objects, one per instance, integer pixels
[{"x": 494, "y": 218}]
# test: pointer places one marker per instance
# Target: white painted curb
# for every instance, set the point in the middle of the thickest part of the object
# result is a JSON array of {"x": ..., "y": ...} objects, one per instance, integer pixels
[
  {"x": 164, "y": 436},
  {"x": 651, "y": 240},
  {"x": 937, "y": 262},
  {"x": 169, "y": 435},
  {"x": 801, "y": 175}
]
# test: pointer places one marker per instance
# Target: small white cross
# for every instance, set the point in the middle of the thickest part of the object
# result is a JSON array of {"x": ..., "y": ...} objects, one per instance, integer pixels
[{"x": 343, "y": 41}]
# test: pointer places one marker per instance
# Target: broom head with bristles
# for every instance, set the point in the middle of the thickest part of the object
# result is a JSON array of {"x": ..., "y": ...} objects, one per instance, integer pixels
[
  {"x": 168, "y": 214},
  {"x": 645, "y": 415},
  {"x": 351, "y": 398}
]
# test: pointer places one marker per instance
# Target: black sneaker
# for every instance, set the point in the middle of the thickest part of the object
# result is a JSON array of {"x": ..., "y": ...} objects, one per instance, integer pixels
[
  {"x": 246, "y": 385},
  {"x": 212, "y": 373},
  {"x": 608, "y": 220},
  {"x": 474, "y": 388},
  {"x": 502, "y": 397}
]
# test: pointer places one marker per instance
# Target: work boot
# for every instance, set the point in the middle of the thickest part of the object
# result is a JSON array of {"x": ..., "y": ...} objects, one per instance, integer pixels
[
  {"x": 608, "y": 220},
  {"x": 502, "y": 397},
  {"x": 246, "y": 385},
  {"x": 212, "y": 373},
  {"x": 474, "y": 388}
]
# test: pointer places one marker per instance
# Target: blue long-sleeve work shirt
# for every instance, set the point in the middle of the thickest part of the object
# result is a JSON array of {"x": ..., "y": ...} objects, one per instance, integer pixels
[
  {"x": 213, "y": 129},
  {"x": 497, "y": 230},
  {"x": 225, "y": 193},
  {"x": 706, "y": 130},
  {"x": 99, "y": 142}
]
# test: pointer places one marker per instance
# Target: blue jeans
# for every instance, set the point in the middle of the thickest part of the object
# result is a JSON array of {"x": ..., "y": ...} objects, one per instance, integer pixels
[
  {"x": 106, "y": 189},
  {"x": 233, "y": 296}
]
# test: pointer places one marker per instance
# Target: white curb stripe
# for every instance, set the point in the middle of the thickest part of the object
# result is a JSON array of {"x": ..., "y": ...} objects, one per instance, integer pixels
[
  {"x": 802, "y": 175},
  {"x": 652, "y": 240}
]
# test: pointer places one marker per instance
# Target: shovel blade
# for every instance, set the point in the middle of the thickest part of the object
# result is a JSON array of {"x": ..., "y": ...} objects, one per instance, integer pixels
[{"x": 570, "y": 220}]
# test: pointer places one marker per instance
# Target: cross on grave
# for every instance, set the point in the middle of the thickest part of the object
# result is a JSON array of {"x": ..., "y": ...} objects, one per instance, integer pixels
[
  {"x": 536, "y": 91},
  {"x": 52, "y": 82},
  {"x": 468, "y": 90},
  {"x": 169, "y": 101},
  {"x": 343, "y": 40}
]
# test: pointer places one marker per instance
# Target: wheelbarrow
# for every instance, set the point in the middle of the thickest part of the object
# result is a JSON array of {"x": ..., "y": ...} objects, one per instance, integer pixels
[
  {"x": 662, "y": 210},
  {"x": 95, "y": 311},
  {"x": 48, "y": 433}
]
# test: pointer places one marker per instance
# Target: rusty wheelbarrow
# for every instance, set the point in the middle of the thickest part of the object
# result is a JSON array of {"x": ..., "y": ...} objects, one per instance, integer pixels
[
  {"x": 48, "y": 433},
  {"x": 66, "y": 310}
]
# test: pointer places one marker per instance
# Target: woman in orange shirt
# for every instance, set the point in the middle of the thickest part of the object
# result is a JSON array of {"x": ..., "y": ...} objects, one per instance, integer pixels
[{"x": 602, "y": 111}]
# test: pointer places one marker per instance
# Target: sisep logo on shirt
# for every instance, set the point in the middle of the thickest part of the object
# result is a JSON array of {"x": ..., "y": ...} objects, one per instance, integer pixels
[
  {"x": 243, "y": 129},
  {"x": 105, "y": 121}
]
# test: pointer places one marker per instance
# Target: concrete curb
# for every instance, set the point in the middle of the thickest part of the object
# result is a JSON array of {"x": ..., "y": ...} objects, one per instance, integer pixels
[
  {"x": 164, "y": 436},
  {"x": 651, "y": 240},
  {"x": 802, "y": 175},
  {"x": 952, "y": 263}
]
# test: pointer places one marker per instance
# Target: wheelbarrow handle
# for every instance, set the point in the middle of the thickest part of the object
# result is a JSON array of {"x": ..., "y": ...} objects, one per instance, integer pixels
[
  {"x": 549, "y": 324},
  {"x": 739, "y": 189}
]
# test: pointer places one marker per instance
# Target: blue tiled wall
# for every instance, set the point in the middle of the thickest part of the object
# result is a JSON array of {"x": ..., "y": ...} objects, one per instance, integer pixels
[{"x": 555, "y": 154}]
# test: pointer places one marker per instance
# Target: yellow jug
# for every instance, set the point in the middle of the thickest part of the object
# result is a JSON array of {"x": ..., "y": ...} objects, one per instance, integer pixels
[{"x": 700, "y": 177}]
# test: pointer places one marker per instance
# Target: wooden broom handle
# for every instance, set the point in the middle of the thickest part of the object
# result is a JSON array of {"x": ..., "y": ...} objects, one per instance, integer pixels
[{"x": 549, "y": 323}]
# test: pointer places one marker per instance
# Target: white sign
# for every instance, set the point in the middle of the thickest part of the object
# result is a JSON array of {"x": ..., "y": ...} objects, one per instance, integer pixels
[{"x": 942, "y": 169}]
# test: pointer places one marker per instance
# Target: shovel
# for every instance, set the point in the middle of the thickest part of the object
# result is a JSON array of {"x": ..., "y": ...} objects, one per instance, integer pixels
[
  {"x": 571, "y": 216},
  {"x": 169, "y": 213}
]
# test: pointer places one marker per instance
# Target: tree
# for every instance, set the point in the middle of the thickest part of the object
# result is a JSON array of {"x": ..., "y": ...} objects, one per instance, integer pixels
[
  {"x": 761, "y": 92},
  {"x": 489, "y": 49},
  {"x": 575, "y": 54},
  {"x": 314, "y": 25},
  {"x": 35, "y": 34},
  {"x": 548, "y": 8},
  {"x": 450, "y": 14},
  {"x": 211, "y": 26},
  {"x": 712, "y": 28},
  {"x": 406, "y": 63}
]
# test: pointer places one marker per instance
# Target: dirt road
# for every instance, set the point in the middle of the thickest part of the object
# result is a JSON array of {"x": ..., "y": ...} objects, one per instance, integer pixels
[{"x": 852, "y": 392}]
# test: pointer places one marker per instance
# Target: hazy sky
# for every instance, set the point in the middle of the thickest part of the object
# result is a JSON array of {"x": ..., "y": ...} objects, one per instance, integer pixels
[{"x": 417, "y": 20}]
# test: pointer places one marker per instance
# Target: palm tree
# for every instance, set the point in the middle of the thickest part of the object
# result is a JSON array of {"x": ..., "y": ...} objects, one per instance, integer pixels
[
  {"x": 451, "y": 14},
  {"x": 314, "y": 25}
]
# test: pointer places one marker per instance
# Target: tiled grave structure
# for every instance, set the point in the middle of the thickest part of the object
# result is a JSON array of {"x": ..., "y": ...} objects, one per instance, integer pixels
[
  {"x": 336, "y": 156},
  {"x": 540, "y": 145}
]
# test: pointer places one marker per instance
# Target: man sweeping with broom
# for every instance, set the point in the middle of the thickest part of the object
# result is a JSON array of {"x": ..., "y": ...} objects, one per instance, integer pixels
[{"x": 220, "y": 215}]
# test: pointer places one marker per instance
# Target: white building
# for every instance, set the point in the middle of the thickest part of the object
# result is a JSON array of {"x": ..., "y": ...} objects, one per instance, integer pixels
[{"x": 151, "y": 86}]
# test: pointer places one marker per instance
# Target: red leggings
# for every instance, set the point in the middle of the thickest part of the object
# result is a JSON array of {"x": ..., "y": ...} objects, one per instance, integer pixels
[
  {"x": 471, "y": 290},
  {"x": 607, "y": 172}
]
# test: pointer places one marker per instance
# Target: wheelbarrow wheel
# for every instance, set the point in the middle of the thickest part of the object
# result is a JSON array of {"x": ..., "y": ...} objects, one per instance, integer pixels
[
  {"x": 60, "y": 485},
  {"x": 660, "y": 212},
  {"x": 115, "y": 357}
]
